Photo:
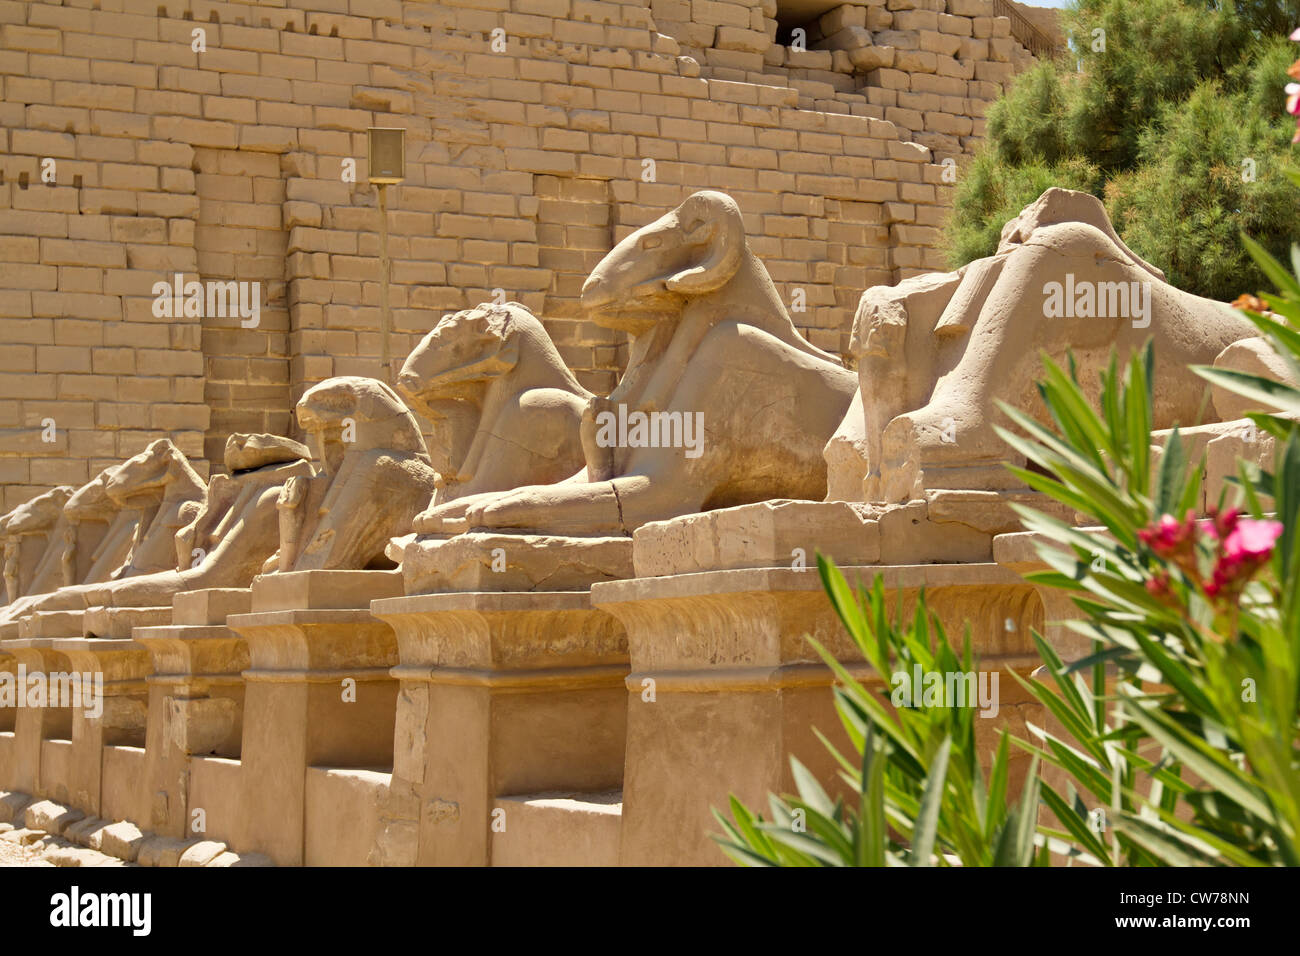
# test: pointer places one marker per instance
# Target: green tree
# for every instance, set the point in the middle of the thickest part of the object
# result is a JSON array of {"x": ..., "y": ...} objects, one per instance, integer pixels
[{"x": 1168, "y": 110}]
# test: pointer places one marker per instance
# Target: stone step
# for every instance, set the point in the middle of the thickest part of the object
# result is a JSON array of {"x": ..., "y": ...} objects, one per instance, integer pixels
[{"x": 558, "y": 828}]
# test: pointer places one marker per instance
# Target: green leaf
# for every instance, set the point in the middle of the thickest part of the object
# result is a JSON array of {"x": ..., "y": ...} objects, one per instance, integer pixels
[{"x": 927, "y": 821}]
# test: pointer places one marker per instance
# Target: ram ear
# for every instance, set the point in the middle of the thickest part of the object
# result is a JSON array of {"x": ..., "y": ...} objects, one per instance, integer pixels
[{"x": 723, "y": 239}]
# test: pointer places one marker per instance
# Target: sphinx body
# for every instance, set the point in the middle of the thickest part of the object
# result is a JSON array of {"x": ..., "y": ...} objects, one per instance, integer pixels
[
  {"x": 711, "y": 342},
  {"x": 33, "y": 536},
  {"x": 376, "y": 476},
  {"x": 937, "y": 353},
  {"x": 91, "y": 506},
  {"x": 227, "y": 534},
  {"x": 495, "y": 368}
]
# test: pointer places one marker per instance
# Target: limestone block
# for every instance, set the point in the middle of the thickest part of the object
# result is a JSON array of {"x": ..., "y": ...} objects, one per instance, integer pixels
[
  {"x": 879, "y": 18},
  {"x": 53, "y": 624},
  {"x": 116, "y": 623},
  {"x": 202, "y": 853},
  {"x": 24, "y": 836},
  {"x": 122, "y": 840},
  {"x": 81, "y": 831},
  {"x": 61, "y": 853},
  {"x": 323, "y": 589},
  {"x": 955, "y": 25},
  {"x": 940, "y": 43},
  {"x": 210, "y": 606},
  {"x": 847, "y": 15},
  {"x": 559, "y": 829},
  {"x": 749, "y": 41},
  {"x": 163, "y": 851},
  {"x": 12, "y": 806},
  {"x": 50, "y": 817},
  {"x": 908, "y": 535},
  {"x": 899, "y": 39},
  {"x": 847, "y": 38},
  {"x": 868, "y": 58},
  {"x": 200, "y": 726},
  {"x": 479, "y": 561},
  {"x": 916, "y": 61},
  {"x": 240, "y": 859},
  {"x": 765, "y": 535}
]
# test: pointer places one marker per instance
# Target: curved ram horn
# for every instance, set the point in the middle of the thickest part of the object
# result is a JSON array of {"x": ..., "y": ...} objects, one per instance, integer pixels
[{"x": 721, "y": 217}]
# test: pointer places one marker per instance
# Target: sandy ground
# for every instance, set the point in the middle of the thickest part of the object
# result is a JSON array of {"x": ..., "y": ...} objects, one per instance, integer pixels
[{"x": 11, "y": 854}]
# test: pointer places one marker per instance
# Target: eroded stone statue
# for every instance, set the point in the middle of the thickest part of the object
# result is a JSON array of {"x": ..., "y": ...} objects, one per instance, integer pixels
[
  {"x": 723, "y": 401},
  {"x": 160, "y": 470},
  {"x": 376, "y": 477},
  {"x": 33, "y": 536},
  {"x": 497, "y": 363},
  {"x": 233, "y": 530},
  {"x": 936, "y": 353},
  {"x": 91, "y": 506}
]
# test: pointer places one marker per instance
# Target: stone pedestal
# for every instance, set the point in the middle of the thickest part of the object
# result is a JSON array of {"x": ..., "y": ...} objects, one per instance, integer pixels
[
  {"x": 8, "y": 714},
  {"x": 724, "y": 688},
  {"x": 502, "y": 693},
  {"x": 33, "y": 725},
  {"x": 196, "y": 698},
  {"x": 317, "y": 693},
  {"x": 1018, "y": 552},
  {"x": 494, "y": 561},
  {"x": 124, "y": 666},
  {"x": 8, "y": 709},
  {"x": 119, "y": 622},
  {"x": 52, "y": 624}
]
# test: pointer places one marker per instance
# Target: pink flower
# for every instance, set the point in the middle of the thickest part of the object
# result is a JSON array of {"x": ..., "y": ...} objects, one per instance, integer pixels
[
  {"x": 1251, "y": 540},
  {"x": 1295, "y": 35},
  {"x": 1293, "y": 99},
  {"x": 1158, "y": 585},
  {"x": 1238, "y": 547},
  {"x": 1169, "y": 536}
]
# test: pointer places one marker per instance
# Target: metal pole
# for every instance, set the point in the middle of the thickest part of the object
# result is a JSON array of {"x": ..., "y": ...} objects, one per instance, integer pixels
[{"x": 385, "y": 319}]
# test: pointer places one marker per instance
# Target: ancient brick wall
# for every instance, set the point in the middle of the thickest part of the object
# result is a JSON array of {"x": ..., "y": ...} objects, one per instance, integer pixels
[{"x": 530, "y": 124}]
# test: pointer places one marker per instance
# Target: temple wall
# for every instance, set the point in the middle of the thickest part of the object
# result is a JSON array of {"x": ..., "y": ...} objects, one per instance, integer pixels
[{"x": 523, "y": 168}]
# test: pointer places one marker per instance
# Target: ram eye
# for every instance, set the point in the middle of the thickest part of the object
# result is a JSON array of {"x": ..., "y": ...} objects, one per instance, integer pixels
[{"x": 652, "y": 241}]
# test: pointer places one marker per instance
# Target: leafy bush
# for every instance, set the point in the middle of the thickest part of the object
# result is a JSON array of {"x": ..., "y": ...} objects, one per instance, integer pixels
[
  {"x": 1186, "y": 731},
  {"x": 1158, "y": 124},
  {"x": 919, "y": 795}
]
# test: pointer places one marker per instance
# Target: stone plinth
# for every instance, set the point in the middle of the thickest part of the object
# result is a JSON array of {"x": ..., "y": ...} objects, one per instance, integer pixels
[
  {"x": 765, "y": 535},
  {"x": 945, "y": 526},
  {"x": 8, "y": 714},
  {"x": 1018, "y": 552},
  {"x": 502, "y": 693},
  {"x": 32, "y": 725},
  {"x": 317, "y": 693},
  {"x": 8, "y": 666},
  {"x": 724, "y": 687},
  {"x": 196, "y": 698},
  {"x": 51, "y": 624},
  {"x": 119, "y": 622},
  {"x": 482, "y": 561},
  {"x": 120, "y": 721}
]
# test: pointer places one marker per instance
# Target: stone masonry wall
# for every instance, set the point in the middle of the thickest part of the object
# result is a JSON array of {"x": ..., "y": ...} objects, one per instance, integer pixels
[{"x": 525, "y": 163}]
